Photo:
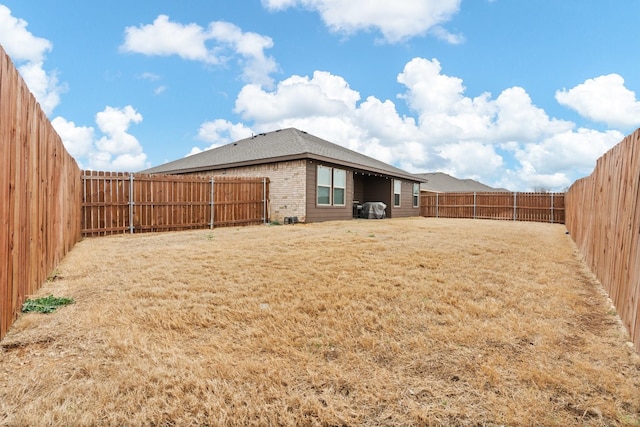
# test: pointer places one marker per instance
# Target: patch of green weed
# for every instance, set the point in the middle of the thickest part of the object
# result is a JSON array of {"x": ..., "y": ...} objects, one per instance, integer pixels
[{"x": 45, "y": 304}]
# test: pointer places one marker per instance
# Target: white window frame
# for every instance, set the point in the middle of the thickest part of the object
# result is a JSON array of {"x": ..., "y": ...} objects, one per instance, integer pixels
[
  {"x": 323, "y": 185},
  {"x": 397, "y": 191},
  {"x": 342, "y": 187},
  {"x": 416, "y": 195},
  {"x": 332, "y": 186}
]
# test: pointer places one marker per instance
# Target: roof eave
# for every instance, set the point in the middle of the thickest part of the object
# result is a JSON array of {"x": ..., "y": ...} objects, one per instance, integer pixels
[
  {"x": 232, "y": 165},
  {"x": 360, "y": 167}
]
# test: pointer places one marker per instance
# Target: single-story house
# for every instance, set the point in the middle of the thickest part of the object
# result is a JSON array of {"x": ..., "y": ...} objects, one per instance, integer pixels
[
  {"x": 440, "y": 182},
  {"x": 311, "y": 179}
]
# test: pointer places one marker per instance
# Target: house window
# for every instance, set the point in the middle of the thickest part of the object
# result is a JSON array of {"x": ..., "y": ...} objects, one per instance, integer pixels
[
  {"x": 324, "y": 185},
  {"x": 332, "y": 185},
  {"x": 397, "y": 185},
  {"x": 339, "y": 186},
  {"x": 416, "y": 195}
]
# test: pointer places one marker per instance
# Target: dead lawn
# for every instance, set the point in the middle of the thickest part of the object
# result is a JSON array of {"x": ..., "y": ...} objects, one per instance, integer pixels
[{"x": 366, "y": 322}]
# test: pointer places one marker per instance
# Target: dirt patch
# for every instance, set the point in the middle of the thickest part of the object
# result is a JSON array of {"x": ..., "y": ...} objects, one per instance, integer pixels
[{"x": 393, "y": 322}]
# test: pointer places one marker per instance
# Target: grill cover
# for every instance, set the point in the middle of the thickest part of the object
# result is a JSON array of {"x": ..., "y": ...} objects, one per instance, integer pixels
[{"x": 373, "y": 210}]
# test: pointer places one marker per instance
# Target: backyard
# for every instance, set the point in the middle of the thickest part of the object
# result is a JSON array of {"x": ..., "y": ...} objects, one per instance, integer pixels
[{"x": 417, "y": 321}]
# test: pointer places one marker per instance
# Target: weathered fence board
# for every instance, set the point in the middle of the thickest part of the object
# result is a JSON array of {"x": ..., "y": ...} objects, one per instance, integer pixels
[
  {"x": 116, "y": 202},
  {"x": 539, "y": 207},
  {"x": 40, "y": 195},
  {"x": 7, "y": 116},
  {"x": 603, "y": 217}
]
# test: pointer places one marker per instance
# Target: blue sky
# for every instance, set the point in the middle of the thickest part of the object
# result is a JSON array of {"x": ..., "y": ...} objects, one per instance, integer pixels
[{"x": 517, "y": 94}]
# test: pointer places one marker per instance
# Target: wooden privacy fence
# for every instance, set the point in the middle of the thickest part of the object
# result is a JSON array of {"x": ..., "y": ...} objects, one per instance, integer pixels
[
  {"x": 539, "y": 207},
  {"x": 603, "y": 217},
  {"x": 120, "y": 202},
  {"x": 40, "y": 195}
]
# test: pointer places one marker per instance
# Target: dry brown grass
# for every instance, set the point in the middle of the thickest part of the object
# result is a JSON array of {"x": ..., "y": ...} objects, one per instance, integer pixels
[{"x": 395, "y": 322}]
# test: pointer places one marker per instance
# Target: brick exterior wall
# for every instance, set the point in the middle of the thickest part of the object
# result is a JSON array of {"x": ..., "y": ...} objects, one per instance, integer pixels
[{"x": 287, "y": 188}]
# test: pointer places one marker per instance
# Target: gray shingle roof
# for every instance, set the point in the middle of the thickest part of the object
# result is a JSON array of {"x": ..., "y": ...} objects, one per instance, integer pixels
[
  {"x": 441, "y": 182},
  {"x": 276, "y": 146}
]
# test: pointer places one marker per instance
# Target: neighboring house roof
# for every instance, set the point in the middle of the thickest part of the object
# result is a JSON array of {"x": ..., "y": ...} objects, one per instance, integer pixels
[
  {"x": 442, "y": 183},
  {"x": 277, "y": 146}
]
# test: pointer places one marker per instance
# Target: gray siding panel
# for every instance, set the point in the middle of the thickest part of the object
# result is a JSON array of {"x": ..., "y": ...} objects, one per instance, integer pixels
[
  {"x": 317, "y": 213},
  {"x": 406, "y": 208}
]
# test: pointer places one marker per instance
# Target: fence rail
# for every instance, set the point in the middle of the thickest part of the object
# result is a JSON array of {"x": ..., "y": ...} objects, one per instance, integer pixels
[
  {"x": 40, "y": 195},
  {"x": 603, "y": 217},
  {"x": 539, "y": 207},
  {"x": 120, "y": 202}
]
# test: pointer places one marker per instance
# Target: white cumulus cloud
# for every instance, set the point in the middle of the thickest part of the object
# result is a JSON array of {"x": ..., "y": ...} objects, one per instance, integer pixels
[
  {"x": 78, "y": 140},
  {"x": 569, "y": 151},
  {"x": 116, "y": 150},
  {"x": 603, "y": 99},
  {"x": 322, "y": 95},
  {"x": 115, "y": 123},
  {"x": 165, "y": 38},
  {"x": 191, "y": 42},
  {"x": 28, "y": 52},
  {"x": 18, "y": 42},
  {"x": 397, "y": 20},
  {"x": 44, "y": 86},
  {"x": 504, "y": 141},
  {"x": 446, "y": 113},
  {"x": 470, "y": 159},
  {"x": 219, "y": 132},
  {"x": 518, "y": 118}
]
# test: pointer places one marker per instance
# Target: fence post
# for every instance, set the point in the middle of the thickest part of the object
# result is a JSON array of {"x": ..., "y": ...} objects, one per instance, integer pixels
[
  {"x": 211, "y": 204},
  {"x": 131, "y": 203},
  {"x": 515, "y": 206},
  {"x": 551, "y": 208},
  {"x": 474, "y": 205},
  {"x": 436, "y": 205},
  {"x": 84, "y": 200},
  {"x": 264, "y": 200}
]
